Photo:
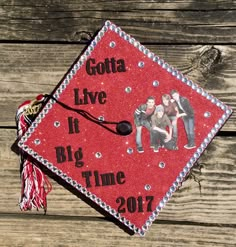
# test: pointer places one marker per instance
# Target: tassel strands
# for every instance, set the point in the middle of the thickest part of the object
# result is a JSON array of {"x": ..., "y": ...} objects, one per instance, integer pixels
[{"x": 35, "y": 184}]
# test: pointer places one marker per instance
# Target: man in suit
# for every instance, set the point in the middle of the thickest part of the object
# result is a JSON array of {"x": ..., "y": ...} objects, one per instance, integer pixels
[{"x": 187, "y": 114}]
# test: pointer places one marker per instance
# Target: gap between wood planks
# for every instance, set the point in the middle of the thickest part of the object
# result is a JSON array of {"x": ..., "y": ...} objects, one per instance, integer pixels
[
  {"x": 109, "y": 219},
  {"x": 91, "y": 36}
]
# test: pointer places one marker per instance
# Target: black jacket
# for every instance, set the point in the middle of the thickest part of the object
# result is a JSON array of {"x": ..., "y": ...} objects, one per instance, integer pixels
[
  {"x": 140, "y": 115},
  {"x": 187, "y": 108}
]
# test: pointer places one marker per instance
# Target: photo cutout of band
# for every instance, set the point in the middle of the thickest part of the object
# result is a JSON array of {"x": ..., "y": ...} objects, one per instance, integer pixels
[{"x": 161, "y": 118}]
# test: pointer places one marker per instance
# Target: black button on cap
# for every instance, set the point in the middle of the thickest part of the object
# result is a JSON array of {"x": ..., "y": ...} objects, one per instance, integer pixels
[{"x": 124, "y": 128}]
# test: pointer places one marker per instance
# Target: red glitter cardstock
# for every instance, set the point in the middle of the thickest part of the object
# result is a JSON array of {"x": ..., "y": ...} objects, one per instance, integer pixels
[{"x": 129, "y": 175}]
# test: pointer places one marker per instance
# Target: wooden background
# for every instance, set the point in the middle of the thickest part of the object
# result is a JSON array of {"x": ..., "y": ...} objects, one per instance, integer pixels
[{"x": 38, "y": 42}]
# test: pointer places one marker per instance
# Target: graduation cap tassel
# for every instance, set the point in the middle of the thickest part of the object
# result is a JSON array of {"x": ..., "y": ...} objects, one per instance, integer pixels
[{"x": 35, "y": 184}]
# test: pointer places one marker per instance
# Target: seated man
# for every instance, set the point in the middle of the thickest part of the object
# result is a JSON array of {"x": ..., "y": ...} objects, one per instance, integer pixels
[
  {"x": 142, "y": 117},
  {"x": 161, "y": 137}
]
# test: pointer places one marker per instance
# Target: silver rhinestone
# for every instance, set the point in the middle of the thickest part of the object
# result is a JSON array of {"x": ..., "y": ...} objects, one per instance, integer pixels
[
  {"x": 144, "y": 227},
  {"x": 155, "y": 59},
  {"x": 130, "y": 150},
  {"x": 37, "y": 141},
  {"x": 160, "y": 62},
  {"x": 209, "y": 135},
  {"x": 194, "y": 86},
  {"x": 146, "y": 51},
  {"x": 223, "y": 107},
  {"x": 141, "y": 64},
  {"x": 117, "y": 29},
  {"x": 57, "y": 124},
  {"x": 182, "y": 174},
  {"x": 49, "y": 105},
  {"x": 189, "y": 83},
  {"x": 224, "y": 116},
  {"x": 213, "y": 131},
  {"x": 161, "y": 204},
  {"x": 97, "y": 39},
  {"x": 189, "y": 164},
  {"x": 66, "y": 81},
  {"x": 23, "y": 138},
  {"x": 165, "y": 199},
  {"x": 141, "y": 48},
  {"x": 136, "y": 43},
  {"x": 168, "y": 194},
  {"x": 101, "y": 33},
  {"x": 209, "y": 97},
  {"x": 179, "y": 76},
  {"x": 94, "y": 43},
  {"x": 131, "y": 41},
  {"x": 217, "y": 126},
  {"x": 155, "y": 212},
  {"x": 148, "y": 223},
  {"x": 172, "y": 189},
  {"x": 196, "y": 155},
  {"x": 101, "y": 118},
  {"x": 150, "y": 54},
  {"x": 169, "y": 69},
  {"x": 199, "y": 90},
  {"x": 76, "y": 66},
  {"x": 27, "y": 134},
  {"x": 228, "y": 111},
  {"x": 165, "y": 66},
  {"x": 126, "y": 37},
  {"x": 221, "y": 121},
  {"x": 112, "y": 44},
  {"x": 107, "y": 23},
  {"x": 147, "y": 187},
  {"x": 199, "y": 150},
  {"x": 88, "y": 194},
  {"x": 141, "y": 233},
  {"x": 175, "y": 184},
  {"x": 128, "y": 89},
  {"x": 98, "y": 155},
  {"x": 174, "y": 73},
  {"x": 192, "y": 160},
  {"x": 207, "y": 114},
  {"x": 45, "y": 110},
  {"x": 184, "y": 79},
  {"x": 206, "y": 140},
  {"x": 203, "y": 145},
  {"x": 161, "y": 164},
  {"x": 155, "y": 83},
  {"x": 213, "y": 100},
  {"x": 151, "y": 218},
  {"x": 178, "y": 179}
]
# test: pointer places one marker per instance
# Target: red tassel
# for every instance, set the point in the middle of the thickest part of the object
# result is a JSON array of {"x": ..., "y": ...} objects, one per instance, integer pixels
[{"x": 35, "y": 184}]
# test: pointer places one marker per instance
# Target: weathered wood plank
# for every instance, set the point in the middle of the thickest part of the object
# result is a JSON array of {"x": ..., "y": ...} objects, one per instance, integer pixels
[
  {"x": 148, "y": 21},
  {"x": 33, "y": 230},
  {"x": 131, "y": 4},
  {"x": 30, "y": 69},
  {"x": 215, "y": 204}
]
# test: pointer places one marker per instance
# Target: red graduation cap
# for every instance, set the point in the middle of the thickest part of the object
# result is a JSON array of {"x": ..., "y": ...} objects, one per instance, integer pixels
[{"x": 124, "y": 128}]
